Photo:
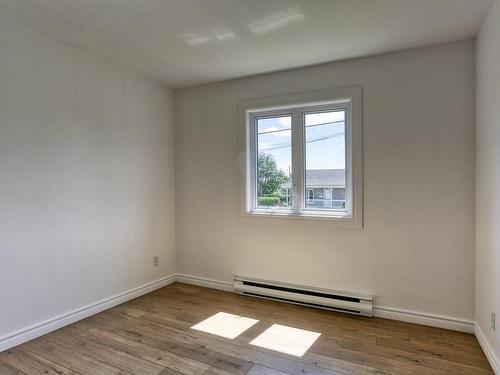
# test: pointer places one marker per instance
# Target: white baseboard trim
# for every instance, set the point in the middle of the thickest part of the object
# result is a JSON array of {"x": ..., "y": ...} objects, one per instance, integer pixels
[
  {"x": 208, "y": 283},
  {"x": 488, "y": 350},
  {"x": 409, "y": 316},
  {"x": 426, "y": 319},
  {"x": 29, "y": 333}
]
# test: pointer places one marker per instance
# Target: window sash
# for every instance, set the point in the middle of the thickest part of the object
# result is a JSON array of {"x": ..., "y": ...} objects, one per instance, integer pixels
[{"x": 298, "y": 154}]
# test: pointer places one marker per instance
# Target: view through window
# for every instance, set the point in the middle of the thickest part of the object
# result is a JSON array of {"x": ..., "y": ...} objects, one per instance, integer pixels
[
  {"x": 321, "y": 174},
  {"x": 325, "y": 159},
  {"x": 274, "y": 161}
]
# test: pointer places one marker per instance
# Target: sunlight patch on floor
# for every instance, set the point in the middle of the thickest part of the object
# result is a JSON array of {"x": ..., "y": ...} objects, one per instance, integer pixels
[
  {"x": 293, "y": 341},
  {"x": 225, "y": 325}
]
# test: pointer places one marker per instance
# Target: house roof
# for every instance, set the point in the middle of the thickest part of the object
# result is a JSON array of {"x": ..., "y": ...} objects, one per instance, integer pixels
[{"x": 322, "y": 178}]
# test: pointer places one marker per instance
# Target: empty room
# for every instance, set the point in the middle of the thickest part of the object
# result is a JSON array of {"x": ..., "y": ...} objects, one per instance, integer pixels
[{"x": 250, "y": 187}]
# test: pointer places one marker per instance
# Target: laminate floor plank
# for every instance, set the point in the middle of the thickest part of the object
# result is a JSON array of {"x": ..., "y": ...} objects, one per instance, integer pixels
[
  {"x": 343, "y": 349},
  {"x": 167, "y": 353},
  {"x": 106, "y": 353},
  {"x": 158, "y": 334},
  {"x": 76, "y": 361},
  {"x": 33, "y": 364},
  {"x": 326, "y": 362},
  {"x": 356, "y": 363},
  {"x": 6, "y": 369},
  {"x": 152, "y": 335}
]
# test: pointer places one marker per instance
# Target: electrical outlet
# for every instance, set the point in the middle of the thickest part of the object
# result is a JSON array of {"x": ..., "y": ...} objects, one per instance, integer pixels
[
  {"x": 493, "y": 320},
  {"x": 156, "y": 261}
]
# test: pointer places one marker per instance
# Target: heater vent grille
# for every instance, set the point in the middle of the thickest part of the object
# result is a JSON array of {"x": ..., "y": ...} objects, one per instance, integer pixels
[{"x": 303, "y": 291}]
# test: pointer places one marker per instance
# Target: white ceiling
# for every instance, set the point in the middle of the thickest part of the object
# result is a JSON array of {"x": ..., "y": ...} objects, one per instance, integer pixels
[{"x": 189, "y": 42}]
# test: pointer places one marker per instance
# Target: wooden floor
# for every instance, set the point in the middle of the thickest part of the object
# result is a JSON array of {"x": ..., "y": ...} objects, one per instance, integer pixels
[{"x": 152, "y": 335}]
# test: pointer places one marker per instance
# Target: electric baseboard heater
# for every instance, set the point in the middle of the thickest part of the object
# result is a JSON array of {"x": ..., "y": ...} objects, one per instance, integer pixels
[{"x": 347, "y": 302}]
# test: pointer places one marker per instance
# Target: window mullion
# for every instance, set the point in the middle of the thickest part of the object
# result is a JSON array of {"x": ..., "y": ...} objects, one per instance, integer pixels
[{"x": 297, "y": 161}]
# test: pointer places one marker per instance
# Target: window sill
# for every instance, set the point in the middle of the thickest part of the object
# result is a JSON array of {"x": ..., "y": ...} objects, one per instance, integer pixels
[{"x": 342, "y": 219}]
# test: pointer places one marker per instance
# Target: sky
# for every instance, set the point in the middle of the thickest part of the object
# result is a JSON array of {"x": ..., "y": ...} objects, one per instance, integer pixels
[{"x": 325, "y": 140}]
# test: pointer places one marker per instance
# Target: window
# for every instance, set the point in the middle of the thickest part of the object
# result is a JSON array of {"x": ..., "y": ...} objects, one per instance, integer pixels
[
  {"x": 310, "y": 195},
  {"x": 338, "y": 199},
  {"x": 328, "y": 194},
  {"x": 274, "y": 160},
  {"x": 303, "y": 156},
  {"x": 286, "y": 194}
]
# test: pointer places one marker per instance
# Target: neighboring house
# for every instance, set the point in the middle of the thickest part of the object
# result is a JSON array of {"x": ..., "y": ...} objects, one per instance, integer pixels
[{"x": 325, "y": 188}]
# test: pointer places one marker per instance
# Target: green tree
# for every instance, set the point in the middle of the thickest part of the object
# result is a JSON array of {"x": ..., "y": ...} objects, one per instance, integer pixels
[{"x": 269, "y": 176}]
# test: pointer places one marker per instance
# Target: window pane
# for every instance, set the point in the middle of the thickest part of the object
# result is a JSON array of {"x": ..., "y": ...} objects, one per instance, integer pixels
[
  {"x": 325, "y": 160},
  {"x": 274, "y": 161}
]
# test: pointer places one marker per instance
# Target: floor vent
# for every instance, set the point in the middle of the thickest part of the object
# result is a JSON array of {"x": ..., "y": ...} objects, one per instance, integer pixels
[{"x": 347, "y": 302}]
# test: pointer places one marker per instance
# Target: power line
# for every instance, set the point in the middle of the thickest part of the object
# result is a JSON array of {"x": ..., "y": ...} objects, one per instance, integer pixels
[
  {"x": 325, "y": 123},
  {"x": 285, "y": 145},
  {"x": 307, "y": 126}
]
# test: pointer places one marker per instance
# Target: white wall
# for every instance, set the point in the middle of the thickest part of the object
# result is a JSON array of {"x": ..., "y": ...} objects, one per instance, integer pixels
[
  {"x": 87, "y": 179},
  {"x": 488, "y": 178},
  {"x": 416, "y": 250}
]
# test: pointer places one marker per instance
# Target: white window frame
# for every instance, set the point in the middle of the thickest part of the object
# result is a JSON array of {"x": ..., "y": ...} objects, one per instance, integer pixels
[{"x": 296, "y": 105}]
